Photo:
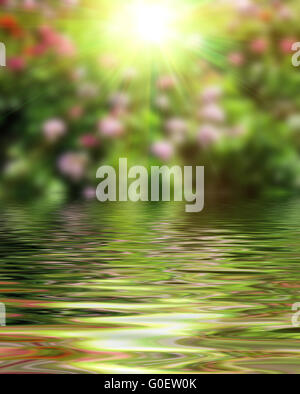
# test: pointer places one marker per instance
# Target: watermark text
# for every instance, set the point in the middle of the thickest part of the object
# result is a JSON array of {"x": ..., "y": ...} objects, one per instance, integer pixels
[{"x": 185, "y": 184}]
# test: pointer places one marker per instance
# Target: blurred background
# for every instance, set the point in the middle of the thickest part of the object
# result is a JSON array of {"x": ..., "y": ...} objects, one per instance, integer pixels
[
  {"x": 146, "y": 288},
  {"x": 203, "y": 82}
]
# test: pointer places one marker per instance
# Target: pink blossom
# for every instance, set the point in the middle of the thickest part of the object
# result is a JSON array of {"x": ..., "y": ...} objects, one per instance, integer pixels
[
  {"x": 61, "y": 44},
  {"x": 166, "y": 82},
  {"x": 88, "y": 90},
  {"x": 208, "y": 135},
  {"x": 54, "y": 129},
  {"x": 259, "y": 45},
  {"x": 16, "y": 63},
  {"x": 286, "y": 45},
  {"x": 71, "y": 3},
  {"x": 119, "y": 103},
  {"x": 236, "y": 59},
  {"x": 111, "y": 127},
  {"x": 29, "y": 5},
  {"x": 76, "y": 112},
  {"x": 119, "y": 100},
  {"x": 211, "y": 94},
  {"x": 65, "y": 47},
  {"x": 246, "y": 7},
  {"x": 285, "y": 13},
  {"x": 48, "y": 35},
  {"x": 163, "y": 150},
  {"x": 47, "y": 11},
  {"x": 213, "y": 113},
  {"x": 176, "y": 125},
  {"x": 89, "y": 193},
  {"x": 89, "y": 141},
  {"x": 177, "y": 128},
  {"x": 37, "y": 50},
  {"x": 72, "y": 165}
]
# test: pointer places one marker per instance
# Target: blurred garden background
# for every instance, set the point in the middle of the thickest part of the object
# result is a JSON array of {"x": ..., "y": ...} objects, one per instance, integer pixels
[
  {"x": 147, "y": 288},
  {"x": 83, "y": 87}
]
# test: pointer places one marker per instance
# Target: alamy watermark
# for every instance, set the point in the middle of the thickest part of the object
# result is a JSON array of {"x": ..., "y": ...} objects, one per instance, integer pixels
[
  {"x": 296, "y": 315},
  {"x": 296, "y": 55},
  {"x": 2, "y": 314},
  {"x": 2, "y": 55},
  {"x": 163, "y": 180}
]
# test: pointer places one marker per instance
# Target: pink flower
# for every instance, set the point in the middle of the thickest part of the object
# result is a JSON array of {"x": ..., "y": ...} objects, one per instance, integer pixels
[
  {"x": 111, "y": 127},
  {"x": 61, "y": 44},
  {"x": 119, "y": 100},
  {"x": 285, "y": 13},
  {"x": 72, "y": 165},
  {"x": 166, "y": 82},
  {"x": 88, "y": 90},
  {"x": 119, "y": 103},
  {"x": 236, "y": 59},
  {"x": 47, "y": 11},
  {"x": 246, "y": 7},
  {"x": 177, "y": 128},
  {"x": 163, "y": 150},
  {"x": 211, "y": 94},
  {"x": 36, "y": 50},
  {"x": 286, "y": 44},
  {"x": 208, "y": 135},
  {"x": 54, "y": 129},
  {"x": 65, "y": 47},
  {"x": 176, "y": 125},
  {"x": 259, "y": 45},
  {"x": 89, "y": 193},
  {"x": 213, "y": 113},
  {"x": 16, "y": 63},
  {"x": 70, "y": 3},
  {"x": 76, "y": 112},
  {"x": 29, "y": 5},
  {"x": 48, "y": 35},
  {"x": 89, "y": 141}
]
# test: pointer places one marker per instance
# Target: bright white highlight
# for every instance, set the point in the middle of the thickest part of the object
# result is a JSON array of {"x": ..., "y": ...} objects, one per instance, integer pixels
[{"x": 152, "y": 22}]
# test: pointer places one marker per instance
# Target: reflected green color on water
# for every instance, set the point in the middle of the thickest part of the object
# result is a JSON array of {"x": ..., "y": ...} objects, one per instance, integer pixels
[{"x": 98, "y": 288}]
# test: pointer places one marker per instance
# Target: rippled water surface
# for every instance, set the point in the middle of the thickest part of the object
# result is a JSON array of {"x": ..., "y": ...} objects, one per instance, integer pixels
[{"x": 117, "y": 288}]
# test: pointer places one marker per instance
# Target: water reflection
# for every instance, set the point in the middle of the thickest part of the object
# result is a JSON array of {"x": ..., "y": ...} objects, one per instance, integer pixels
[{"x": 149, "y": 289}]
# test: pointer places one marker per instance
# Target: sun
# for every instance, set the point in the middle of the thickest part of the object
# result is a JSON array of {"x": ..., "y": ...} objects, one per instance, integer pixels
[
  {"x": 144, "y": 23},
  {"x": 148, "y": 33},
  {"x": 152, "y": 22}
]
